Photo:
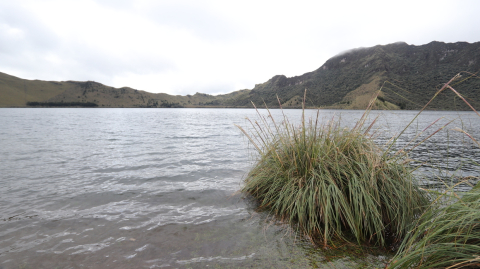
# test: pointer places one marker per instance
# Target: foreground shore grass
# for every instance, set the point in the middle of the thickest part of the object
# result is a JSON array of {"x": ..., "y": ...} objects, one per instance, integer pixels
[
  {"x": 335, "y": 185},
  {"x": 447, "y": 235}
]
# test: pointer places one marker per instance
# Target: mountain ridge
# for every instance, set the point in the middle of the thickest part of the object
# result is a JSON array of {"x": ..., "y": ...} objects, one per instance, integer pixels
[
  {"x": 409, "y": 75},
  {"x": 414, "y": 68}
]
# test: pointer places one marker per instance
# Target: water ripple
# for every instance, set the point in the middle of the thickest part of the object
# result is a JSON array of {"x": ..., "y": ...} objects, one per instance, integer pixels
[{"x": 157, "y": 187}]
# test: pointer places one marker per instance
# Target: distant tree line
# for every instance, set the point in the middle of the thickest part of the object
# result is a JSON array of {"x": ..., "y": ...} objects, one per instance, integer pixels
[
  {"x": 170, "y": 104},
  {"x": 62, "y": 104}
]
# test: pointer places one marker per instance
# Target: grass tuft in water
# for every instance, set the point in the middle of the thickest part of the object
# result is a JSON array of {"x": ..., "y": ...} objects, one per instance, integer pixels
[
  {"x": 446, "y": 236},
  {"x": 331, "y": 182}
]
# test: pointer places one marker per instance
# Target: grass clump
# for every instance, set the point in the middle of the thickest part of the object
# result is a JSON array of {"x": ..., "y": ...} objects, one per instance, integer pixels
[
  {"x": 446, "y": 236},
  {"x": 331, "y": 182}
]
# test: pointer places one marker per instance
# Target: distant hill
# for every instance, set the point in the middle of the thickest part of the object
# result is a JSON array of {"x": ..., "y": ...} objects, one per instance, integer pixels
[
  {"x": 410, "y": 76},
  {"x": 348, "y": 80},
  {"x": 17, "y": 92}
]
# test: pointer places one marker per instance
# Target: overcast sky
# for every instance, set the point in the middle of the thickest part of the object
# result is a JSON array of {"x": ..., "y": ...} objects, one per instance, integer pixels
[{"x": 218, "y": 46}]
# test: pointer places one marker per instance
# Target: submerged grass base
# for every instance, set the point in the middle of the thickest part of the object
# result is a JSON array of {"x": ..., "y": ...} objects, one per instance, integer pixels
[
  {"x": 332, "y": 183},
  {"x": 445, "y": 236},
  {"x": 345, "y": 193}
]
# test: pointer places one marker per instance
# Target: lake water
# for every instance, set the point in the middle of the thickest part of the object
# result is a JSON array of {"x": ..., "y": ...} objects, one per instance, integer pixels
[{"x": 158, "y": 188}]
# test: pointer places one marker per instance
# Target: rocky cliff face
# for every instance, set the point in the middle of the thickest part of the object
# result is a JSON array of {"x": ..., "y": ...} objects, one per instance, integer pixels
[{"x": 416, "y": 72}]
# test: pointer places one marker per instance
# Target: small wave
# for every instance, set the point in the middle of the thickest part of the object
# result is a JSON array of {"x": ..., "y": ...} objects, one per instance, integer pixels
[
  {"x": 216, "y": 258},
  {"x": 91, "y": 247}
]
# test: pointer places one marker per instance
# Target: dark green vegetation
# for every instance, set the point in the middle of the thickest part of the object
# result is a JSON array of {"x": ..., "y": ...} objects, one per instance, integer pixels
[
  {"x": 445, "y": 236},
  {"x": 331, "y": 182},
  {"x": 335, "y": 185},
  {"x": 16, "y": 92},
  {"x": 62, "y": 104},
  {"x": 411, "y": 75}
]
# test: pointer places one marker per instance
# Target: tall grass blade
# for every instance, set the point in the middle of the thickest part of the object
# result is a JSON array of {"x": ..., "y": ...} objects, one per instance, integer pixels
[{"x": 332, "y": 183}]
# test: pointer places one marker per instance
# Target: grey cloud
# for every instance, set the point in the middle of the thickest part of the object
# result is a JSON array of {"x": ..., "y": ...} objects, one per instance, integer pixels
[
  {"x": 85, "y": 63},
  {"x": 35, "y": 36},
  {"x": 26, "y": 54},
  {"x": 112, "y": 65},
  {"x": 196, "y": 18},
  {"x": 24, "y": 51},
  {"x": 193, "y": 16},
  {"x": 118, "y": 4}
]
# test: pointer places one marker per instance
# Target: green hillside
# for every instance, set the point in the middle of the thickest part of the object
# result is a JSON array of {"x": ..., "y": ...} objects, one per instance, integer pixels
[
  {"x": 17, "y": 92},
  {"x": 349, "y": 79},
  {"x": 410, "y": 74}
]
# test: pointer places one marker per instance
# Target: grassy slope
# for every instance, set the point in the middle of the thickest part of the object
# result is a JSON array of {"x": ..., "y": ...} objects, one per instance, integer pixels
[
  {"x": 346, "y": 81},
  {"x": 15, "y": 92},
  {"x": 415, "y": 69}
]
